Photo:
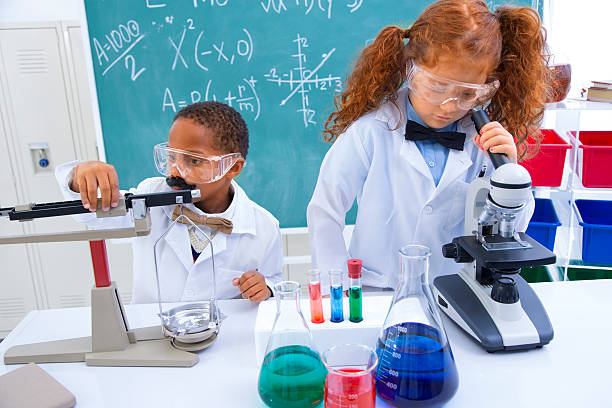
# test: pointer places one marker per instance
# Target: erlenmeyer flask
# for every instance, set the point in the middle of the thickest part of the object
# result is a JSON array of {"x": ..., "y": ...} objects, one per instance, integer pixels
[
  {"x": 416, "y": 367},
  {"x": 292, "y": 374}
]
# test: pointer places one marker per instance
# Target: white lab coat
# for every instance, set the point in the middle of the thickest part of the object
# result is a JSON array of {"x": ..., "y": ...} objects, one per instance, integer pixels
[
  {"x": 399, "y": 203},
  {"x": 255, "y": 243}
]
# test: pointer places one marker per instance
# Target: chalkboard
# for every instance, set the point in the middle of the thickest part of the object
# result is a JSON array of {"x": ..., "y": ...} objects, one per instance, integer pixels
[{"x": 278, "y": 62}]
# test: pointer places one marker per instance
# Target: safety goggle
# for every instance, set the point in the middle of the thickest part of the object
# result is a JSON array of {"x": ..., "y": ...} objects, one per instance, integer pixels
[
  {"x": 193, "y": 167},
  {"x": 438, "y": 90}
]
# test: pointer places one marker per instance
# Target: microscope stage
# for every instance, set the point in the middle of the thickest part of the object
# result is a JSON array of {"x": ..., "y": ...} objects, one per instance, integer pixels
[{"x": 508, "y": 258}]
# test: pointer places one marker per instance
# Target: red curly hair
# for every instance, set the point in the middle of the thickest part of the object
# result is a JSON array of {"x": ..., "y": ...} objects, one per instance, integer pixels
[{"x": 511, "y": 39}]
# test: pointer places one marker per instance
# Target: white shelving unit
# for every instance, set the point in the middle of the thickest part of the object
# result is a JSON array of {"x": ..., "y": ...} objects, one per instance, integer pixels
[{"x": 565, "y": 116}]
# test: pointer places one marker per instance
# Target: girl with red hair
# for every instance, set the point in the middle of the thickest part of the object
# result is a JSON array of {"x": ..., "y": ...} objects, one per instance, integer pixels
[{"x": 403, "y": 141}]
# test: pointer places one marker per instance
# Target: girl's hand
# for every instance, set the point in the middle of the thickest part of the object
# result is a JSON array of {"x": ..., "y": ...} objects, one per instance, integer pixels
[{"x": 496, "y": 139}]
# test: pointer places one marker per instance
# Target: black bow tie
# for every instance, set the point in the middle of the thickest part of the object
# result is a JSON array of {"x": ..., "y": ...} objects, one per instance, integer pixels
[{"x": 452, "y": 140}]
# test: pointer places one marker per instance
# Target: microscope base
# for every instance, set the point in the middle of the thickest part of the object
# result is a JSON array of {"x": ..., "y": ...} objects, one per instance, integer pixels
[{"x": 469, "y": 304}]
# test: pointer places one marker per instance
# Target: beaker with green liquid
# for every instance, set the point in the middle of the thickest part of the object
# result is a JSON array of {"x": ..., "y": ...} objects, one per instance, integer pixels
[{"x": 292, "y": 374}]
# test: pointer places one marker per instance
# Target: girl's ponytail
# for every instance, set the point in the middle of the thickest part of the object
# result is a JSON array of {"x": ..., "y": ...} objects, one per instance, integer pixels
[
  {"x": 379, "y": 73},
  {"x": 523, "y": 74}
]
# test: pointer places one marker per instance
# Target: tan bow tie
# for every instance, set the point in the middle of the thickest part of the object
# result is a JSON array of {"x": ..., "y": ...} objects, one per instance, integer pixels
[{"x": 216, "y": 223}]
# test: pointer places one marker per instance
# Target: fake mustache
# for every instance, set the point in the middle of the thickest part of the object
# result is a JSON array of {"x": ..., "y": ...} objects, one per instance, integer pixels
[{"x": 175, "y": 181}]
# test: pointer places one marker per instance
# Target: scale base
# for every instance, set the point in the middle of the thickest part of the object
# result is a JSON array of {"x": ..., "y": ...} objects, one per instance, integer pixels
[
  {"x": 149, "y": 353},
  {"x": 111, "y": 343}
]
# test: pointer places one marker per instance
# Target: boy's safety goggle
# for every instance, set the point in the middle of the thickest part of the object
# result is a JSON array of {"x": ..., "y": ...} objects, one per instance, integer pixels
[
  {"x": 193, "y": 167},
  {"x": 438, "y": 90}
]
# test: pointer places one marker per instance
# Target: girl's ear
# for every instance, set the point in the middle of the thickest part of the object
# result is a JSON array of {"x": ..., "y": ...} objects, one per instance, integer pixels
[{"x": 236, "y": 168}]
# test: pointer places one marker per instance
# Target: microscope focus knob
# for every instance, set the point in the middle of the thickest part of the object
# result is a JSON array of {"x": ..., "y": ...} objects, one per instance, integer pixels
[
  {"x": 504, "y": 290},
  {"x": 455, "y": 252}
]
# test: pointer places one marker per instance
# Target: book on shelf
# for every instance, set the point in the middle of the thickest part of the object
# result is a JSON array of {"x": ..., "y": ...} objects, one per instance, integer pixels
[
  {"x": 598, "y": 94},
  {"x": 602, "y": 84}
]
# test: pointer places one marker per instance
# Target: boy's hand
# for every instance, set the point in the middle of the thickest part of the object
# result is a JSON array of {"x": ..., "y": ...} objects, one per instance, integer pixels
[
  {"x": 88, "y": 177},
  {"x": 253, "y": 286},
  {"x": 496, "y": 139}
]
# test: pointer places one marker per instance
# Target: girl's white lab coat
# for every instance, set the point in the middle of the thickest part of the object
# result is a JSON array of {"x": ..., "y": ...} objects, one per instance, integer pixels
[
  {"x": 399, "y": 203},
  {"x": 255, "y": 243}
]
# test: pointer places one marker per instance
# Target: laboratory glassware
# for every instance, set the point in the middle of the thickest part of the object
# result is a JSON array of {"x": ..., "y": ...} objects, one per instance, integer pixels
[
  {"x": 350, "y": 379},
  {"x": 335, "y": 294},
  {"x": 314, "y": 292},
  {"x": 354, "y": 272},
  {"x": 292, "y": 374},
  {"x": 193, "y": 326},
  {"x": 416, "y": 367}
]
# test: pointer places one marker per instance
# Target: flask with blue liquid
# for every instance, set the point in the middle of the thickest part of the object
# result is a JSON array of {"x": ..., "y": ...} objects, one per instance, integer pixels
[{"x": 416, "y": 367}]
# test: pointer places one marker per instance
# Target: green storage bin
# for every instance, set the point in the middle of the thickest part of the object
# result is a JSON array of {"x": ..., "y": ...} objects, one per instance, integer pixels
[
  {"x": 535, "y": 274},
  {"x": 574, "y": 274}
]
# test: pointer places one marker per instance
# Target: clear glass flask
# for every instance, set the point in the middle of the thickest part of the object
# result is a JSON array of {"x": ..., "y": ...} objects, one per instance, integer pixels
[
  {"x": 416, "y": 367},
  {"x": 292, "y": 374}
]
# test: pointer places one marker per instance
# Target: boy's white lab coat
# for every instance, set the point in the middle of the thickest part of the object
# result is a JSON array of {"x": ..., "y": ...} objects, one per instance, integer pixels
[
  {"x": 255, "y": 243},
  {"x": 399, "y": 203}
]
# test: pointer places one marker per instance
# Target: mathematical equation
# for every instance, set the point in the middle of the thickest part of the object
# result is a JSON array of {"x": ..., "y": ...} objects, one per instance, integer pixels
[
  {"x": 244, "y": 99},
  {"x": 118, "y": 43},
  {"x": 215, "y": 52},
  {"x": 305, "y": 80},
  {"x": 195, "y": 3},
  {"x": 325, "y": 6}
]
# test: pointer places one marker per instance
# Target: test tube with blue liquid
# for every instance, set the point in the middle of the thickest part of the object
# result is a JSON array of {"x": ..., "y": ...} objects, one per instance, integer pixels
[{"x": 335, "y": 293}]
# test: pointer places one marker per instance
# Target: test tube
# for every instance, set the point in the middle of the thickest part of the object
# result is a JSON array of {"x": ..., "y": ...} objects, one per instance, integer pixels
[
  {"x": 335, "y": 292},
  {"x": 314, "y": 292},
  {"x": 354, "y": 272}
]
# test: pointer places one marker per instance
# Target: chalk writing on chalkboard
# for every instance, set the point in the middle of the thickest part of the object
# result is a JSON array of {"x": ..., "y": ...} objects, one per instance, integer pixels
[
  {"x": 118, "y": 43},
  {"x": 244, "y": 98},
  {"x": 205, "y": 52},
  {"x": 306, "y": 79}
]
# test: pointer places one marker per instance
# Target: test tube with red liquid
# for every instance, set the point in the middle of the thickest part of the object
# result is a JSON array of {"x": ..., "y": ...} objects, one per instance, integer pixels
[{"x": 314, "y": 292}]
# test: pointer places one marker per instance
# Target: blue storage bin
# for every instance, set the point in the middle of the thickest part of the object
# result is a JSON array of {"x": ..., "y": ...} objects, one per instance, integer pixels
[
  {"x": 595, "y": 217},
  {"x": 544, "y": 223}
]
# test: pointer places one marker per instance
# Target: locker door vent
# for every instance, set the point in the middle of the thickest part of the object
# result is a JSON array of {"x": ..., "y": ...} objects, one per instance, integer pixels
[
  {"x": 12, "y": 307},
  {"x": 30, "y": 61},
  {"x": 73, "y": 301}
]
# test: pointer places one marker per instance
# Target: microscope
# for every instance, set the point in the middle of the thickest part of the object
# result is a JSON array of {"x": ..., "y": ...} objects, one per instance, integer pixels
[{"x": 488, "y": 298}]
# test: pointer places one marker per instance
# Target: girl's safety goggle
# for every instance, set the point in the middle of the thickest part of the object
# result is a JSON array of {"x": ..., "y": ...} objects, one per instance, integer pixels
[
  {"x": 438, "y": 90},
  {"x": 193, "y": 167}
]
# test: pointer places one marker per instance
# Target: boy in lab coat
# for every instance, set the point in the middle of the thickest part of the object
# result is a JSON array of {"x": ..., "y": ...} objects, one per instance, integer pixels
[{"x": 206, "y": 149}]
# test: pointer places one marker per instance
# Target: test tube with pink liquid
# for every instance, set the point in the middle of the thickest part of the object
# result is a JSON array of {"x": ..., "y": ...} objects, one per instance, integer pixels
[{"x": 314, "y": 292}]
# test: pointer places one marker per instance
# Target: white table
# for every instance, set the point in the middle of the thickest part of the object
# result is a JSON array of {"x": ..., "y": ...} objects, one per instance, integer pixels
[{"x": 572, "y": 371}]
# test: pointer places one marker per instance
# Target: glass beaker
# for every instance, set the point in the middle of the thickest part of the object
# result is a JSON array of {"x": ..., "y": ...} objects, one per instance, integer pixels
[
  {"x": 416, "y": 367},
  {"x": 562, "y": 77},
  {"x": 350, "y": 380},
  {"x": 292, "y": 374}
]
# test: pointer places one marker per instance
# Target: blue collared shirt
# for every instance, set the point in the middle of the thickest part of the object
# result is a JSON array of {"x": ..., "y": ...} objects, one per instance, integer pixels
[{"x": 433, "y": 153}]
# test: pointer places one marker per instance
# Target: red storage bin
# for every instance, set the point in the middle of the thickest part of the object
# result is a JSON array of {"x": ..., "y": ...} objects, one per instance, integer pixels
[
  {"x": 546, "y": 168},
  {"x": 595, "y": 158}
]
